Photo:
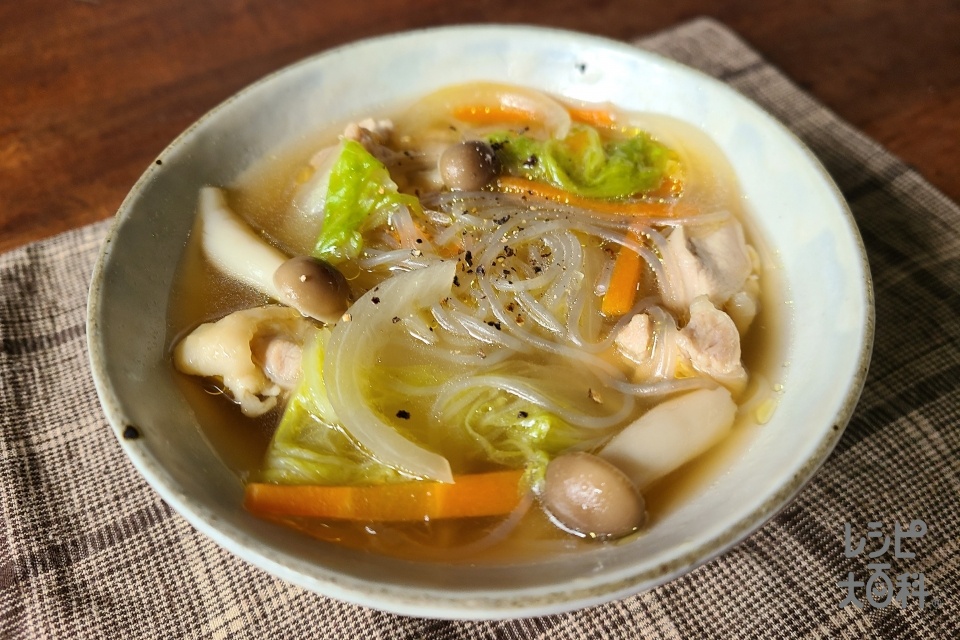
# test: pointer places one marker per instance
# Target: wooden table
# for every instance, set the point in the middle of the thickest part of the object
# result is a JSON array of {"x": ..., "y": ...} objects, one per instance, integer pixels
[{"x": 91, "y": 91}]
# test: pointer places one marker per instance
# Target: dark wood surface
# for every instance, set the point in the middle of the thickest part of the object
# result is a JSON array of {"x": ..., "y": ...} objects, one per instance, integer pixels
[{"x": 91, "y": 91}]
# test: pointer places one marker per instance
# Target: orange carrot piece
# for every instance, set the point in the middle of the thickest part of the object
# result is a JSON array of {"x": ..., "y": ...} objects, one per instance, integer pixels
[
  {"x": 484, "y": 115},
  {"x": 671, "y": 187},
  {"x": 487, "y": 115},
  {"x": 483, "y": 494},
  {"x": 594, "y": 117},
  {"x": 649, "y": 209},
  {"x": 622, "y": 290}
]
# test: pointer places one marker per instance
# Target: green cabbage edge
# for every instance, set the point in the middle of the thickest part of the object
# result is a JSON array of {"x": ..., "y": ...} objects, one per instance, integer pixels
[
  {"x": 360, "y": 195},
  {"x": 583, "y": 164}
]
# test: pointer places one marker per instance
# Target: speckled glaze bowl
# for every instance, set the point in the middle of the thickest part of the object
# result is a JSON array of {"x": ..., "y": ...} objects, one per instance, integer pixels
[{"x": 794, "y": 205}]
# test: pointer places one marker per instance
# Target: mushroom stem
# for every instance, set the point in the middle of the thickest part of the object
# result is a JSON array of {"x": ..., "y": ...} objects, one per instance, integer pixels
[
  {"x": 234, "y": 248},
  {"x": 671, "y": 434}
]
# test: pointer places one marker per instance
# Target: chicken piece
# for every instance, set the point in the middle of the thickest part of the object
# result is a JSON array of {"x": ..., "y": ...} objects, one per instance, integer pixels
[
  {"x": 413, "y": 171},
  {"x": 254, "y": 352},
  {"x": 711, "y": 343},
  {"x": 635, "y": 339},
  {"x": 650, "y": 343},
  {"x": 374, "y": 135},
  {"x": 279, "y": 357},
  {"x": 715, "y": 264}
]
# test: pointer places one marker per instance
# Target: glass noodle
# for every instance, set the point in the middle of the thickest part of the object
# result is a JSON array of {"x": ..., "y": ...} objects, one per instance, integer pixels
[{"x": 484, "y": 329}]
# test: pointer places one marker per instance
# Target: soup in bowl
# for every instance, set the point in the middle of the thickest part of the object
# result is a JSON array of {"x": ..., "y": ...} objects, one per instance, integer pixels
[{"x": 401, "y": 340}]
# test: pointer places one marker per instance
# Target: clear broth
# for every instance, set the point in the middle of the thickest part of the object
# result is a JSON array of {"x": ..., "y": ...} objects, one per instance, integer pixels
[{"x": 200, "y": 294}]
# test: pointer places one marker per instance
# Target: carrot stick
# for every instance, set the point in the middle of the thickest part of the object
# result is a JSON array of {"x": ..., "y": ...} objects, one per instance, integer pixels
[
  {"x": 482, "y": 494},
  {"x": 481, "y": 115},
  {"x": 622, "y": 290},
  {"x": 595, "y": 117},
  {"x": 487, "y": 115},
  {"x": 649, "y": 209}
]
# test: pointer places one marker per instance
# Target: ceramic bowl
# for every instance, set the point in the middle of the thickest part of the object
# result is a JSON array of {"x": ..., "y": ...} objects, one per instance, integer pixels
[{"x": 790, "y": 197}]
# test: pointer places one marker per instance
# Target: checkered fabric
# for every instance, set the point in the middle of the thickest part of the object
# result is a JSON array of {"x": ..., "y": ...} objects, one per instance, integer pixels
[{"x": 90, "y": 551}]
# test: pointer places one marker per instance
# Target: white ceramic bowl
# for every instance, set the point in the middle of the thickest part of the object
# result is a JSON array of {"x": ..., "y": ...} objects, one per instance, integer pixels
[{"x": 794, "y": 203}]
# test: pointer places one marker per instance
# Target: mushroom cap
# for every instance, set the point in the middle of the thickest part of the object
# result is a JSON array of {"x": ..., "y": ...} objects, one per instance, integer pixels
[
  {"x": 313, "y": 287},
  {"x": 468, "y": 166},
  {"x": 589, "y": 496}
]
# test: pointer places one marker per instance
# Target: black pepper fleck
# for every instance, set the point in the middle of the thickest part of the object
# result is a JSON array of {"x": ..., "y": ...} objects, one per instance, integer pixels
[
  {"x": 131, "y": 432},
  {"x": 522, "y": 414},
  {"x": 396, "y": 319},
  {"x": 403, "y": 414},
  {"x": 456, "y": 281},
  {"x": 159, "y": 162},
  {"x": 375, "y": 300},
  {"x": 468, "y": 258}
]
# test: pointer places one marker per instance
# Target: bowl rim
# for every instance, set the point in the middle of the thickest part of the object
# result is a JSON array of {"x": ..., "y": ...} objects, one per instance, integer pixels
[{"x": 455, "y": 605}]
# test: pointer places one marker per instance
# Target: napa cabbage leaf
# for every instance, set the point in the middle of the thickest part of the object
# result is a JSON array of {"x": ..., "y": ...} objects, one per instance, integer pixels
[
  {"x": 309, "y": 445},
  {"x": 360, "y": 195},
  {"x": 584, "y": 164},
  {"x": 500, "y": 428},
  {"x": 479, "y": 429}
]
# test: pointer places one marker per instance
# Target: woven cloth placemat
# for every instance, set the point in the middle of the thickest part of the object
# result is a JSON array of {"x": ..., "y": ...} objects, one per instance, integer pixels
[{"x": 90, "y": 551}]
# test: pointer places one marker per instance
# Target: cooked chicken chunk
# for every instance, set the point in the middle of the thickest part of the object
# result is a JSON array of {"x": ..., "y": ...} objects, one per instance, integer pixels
[
  {"x": 374, "y": 135},
  {"x": 412, "y": 171},
  {"x": 715, "y": 264},
  {"x": 635, "y": 339},
  {"x": 650, "y": 343},
  {"x": 279, "y": 357},
  {"x": 255, "y": 353},
  {"x": 711, "y": 342}
]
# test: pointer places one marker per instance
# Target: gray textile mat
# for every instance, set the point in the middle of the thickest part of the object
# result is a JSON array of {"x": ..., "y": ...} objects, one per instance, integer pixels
[{"x": 89, "y": 550}]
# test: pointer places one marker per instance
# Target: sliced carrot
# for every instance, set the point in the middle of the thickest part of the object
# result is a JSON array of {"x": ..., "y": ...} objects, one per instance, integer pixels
[
  {"x": 649, "y": 209},
  {"x": 622, "y": 290},
  {"x": 595, "y": 117},
  {"x": 482, "y": 494},
  {"x": 482, "y": 115},
  {"x": 671, "y": 187},
  {"x": 486, "y": 115}
]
